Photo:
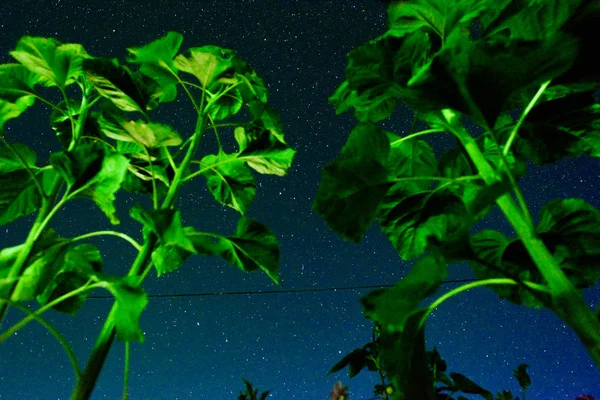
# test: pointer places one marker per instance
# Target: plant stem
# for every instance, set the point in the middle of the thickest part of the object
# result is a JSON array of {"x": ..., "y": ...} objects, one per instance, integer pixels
[
  {"x": 515, "y": 129},
  {"x": 462, "y": 288},
  {"x": 113, "y": 233},
  {"x": 414, "y": 135},
  {"x": 126, "y": 372},
  {"x": 85, "y": 386},
  {"x": 567, "y": 302}
]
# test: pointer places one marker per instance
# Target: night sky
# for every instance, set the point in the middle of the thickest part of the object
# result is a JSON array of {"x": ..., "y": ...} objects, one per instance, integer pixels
[{"x": 198, "y": 347}]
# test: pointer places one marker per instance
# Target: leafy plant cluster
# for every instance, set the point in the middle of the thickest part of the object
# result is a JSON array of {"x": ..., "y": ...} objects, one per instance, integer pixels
[
  {"x": 111, "y": 142},
  {"x": 522, "y": 72},
  {"x": 445, "y": 385}
]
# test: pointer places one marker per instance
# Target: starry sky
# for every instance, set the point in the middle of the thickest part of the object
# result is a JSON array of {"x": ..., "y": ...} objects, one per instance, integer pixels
[{"x": 198, "y": 347}]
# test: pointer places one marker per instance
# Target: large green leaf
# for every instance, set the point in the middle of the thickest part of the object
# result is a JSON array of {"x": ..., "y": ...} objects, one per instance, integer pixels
[
  {"x": 412, "y": 219},
  {"x": 80, "y": 263},
  {"x": 263, "y": 151},
  {"x": 531, "y": 20},
  {"x": 354, "y": 184},
  {"x": 127, "y": 90},
  {"x": 411, "y": 158},
  {"x": 439, "y": 17},
  {"x": 252, "y": 86},
  {"x": 478, "y": 78},
  {"x": 371, "y": 88},
  {"x": 584, "y": 71},
  {"x": 207, "y": 63},
  {"x": 16, "y": 82},
  {"x": 147, "y": 134},
  {"x": 565, "y": 126},
  {"x": 44, "y": 263},
  {"x": 225, "y": 102},
  {"x": 569, "y": 228},
  {"x": 156, "y": 59},
  {"x": 19, "y": 195},
  {"x": 56, "y": 64},
  {"x": 10, "y": 111},
  {"x": 490, "y": 262},
  {"x": 18, "y": 158},
  {"x": 130, "y": 302},
  {"x": 229, "y": 180},
  {"x": 94, "y": 173},
  {"x": 166, "y": 224},
  {"x": 392, "y": 307},
  {"x": 252, "y": 247}
]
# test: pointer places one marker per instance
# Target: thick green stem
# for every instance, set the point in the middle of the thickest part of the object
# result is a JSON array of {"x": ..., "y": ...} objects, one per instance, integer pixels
[{"x": 567, "y": 302}]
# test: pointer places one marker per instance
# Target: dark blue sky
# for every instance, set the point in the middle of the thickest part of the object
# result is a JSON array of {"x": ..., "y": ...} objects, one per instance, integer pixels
[{"x": 199, "y": 347}]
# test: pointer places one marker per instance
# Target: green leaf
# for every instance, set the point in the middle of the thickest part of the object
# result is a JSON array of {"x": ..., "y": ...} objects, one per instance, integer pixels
[
  {"x": 147, "y": 134},
  {"x": 465, "y": 385},
  {"x": 371, "y": 87},
  {"x": 94, "y": 173},
  {"x": 266, "y": 117},
  {"x": 478, "y": 78},
  {"x": 412, "y": 219},
  {"x": 227, "y": 104},
  {"x": 56, "y": 64},
  {"x": 393, "y": 307},
  {"x": 19, "y": 195},
  {"x": 355, "y": 360},
  {"x": 492, "y": 261},
  {"x": 10, "y": 162},
  {"x": 229, "y": 180},
  {"x": 17, "y": 81},
  {"x": 207, "y": 63},
  {"x": 252, "y": 87},
  {"x": 411, "y": 158},
  {"x": 45, "y": 261},
  {"x": 166, "y": 224},
  {"x": 130, "y": 302},
  {"x": 156, "y": 59},
  {"x": 521, "y": 374},
  {"x": 532, "y": 20},
  {"x": 79, "y": 265},
  {"x": 168, "y": 258},
  {"x": 262, "y": 150},
  {"x": 252, "y": 247},
  {"x": 10, "y": 111},
  {"x": 127, "y": 90},
  {"x": 437, "y": 17},
  {"x": 570, "y": 228},
  {"x": 354, "y": 184}
]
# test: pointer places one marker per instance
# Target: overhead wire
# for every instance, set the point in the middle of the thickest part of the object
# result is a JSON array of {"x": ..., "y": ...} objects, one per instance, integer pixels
[{"x": 302, "y": 290}]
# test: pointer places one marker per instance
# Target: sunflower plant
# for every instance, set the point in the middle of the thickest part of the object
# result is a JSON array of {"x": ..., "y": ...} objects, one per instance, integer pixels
[
  {"x": 511, "y": 82},
  {"x": 111, "y": 141}
]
